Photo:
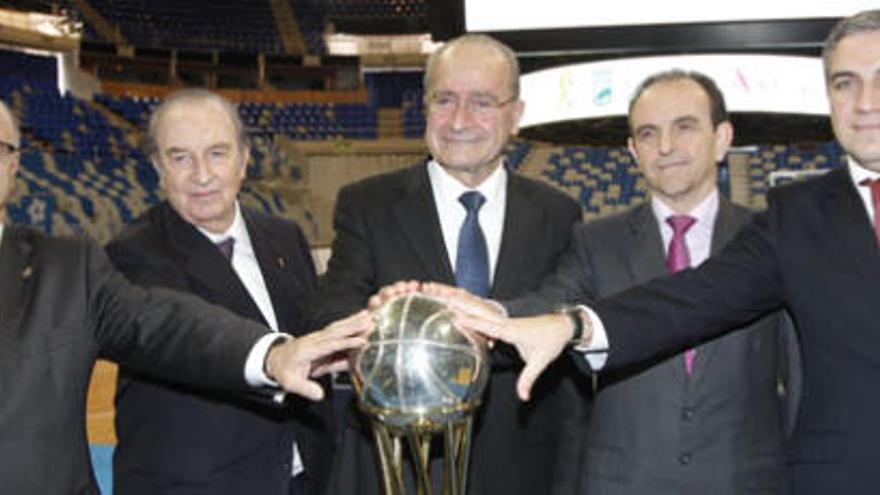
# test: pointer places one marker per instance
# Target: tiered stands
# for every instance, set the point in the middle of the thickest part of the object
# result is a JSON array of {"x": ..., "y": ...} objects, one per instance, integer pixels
[
  {"x": 301, "y": 121},
  {"x": 413, "y": 107},
  {"x": 605, "y": 180},
  {"x": 311, "y": 15},
  {"x": 770, "y": 158},
  {"x": 376, "y": 10},
  {"x": 312, "y": 121},
  {"x": 135, "y": 110},
  {"x": 516, "y": 153},
  {"x": 195, "y": 24}
]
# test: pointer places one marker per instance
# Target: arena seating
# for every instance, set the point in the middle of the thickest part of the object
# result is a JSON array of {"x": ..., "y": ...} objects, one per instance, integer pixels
[
  {"x": 197, "y": 25},
  {"x": 767, "y": 159},
  {"x": 311, "y": 15},
  {"x": 84, "y": 169},
  {"x": 603, "y": 179}
]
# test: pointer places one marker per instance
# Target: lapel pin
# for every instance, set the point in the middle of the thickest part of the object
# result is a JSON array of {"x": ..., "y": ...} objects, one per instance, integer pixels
[
  {"x": 27, "y": 272},
  {"x": 281, "y": 262}
]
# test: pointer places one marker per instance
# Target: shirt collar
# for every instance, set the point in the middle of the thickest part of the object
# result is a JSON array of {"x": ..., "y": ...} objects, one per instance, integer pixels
[
  {"x": 704, "y": 213},
  {"x": 236, "y": 230},
  {"x": 448, "y": 188},
  {"x": 859, "y": 173}
]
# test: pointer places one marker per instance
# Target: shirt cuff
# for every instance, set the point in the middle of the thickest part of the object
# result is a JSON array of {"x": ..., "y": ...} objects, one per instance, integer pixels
[
  {"x": 596, "y": 353},
  {"x": 255, "y": 365}
]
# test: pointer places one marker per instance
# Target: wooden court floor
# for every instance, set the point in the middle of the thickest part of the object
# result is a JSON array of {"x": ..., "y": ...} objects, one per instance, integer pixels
[{"x": 99, "y": 408}]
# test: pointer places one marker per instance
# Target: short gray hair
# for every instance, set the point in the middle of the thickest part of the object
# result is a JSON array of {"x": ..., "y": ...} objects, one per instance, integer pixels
[
  {"x": 191, "y": 95},
  {"x": 864, "y": 22},
  {"x": 477, "y": 40}
]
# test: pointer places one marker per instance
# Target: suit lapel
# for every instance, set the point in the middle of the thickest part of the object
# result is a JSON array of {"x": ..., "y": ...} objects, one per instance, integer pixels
[
  {"x": 645, "y": 247},
  {"x": 17, "y": 275},
  {"x": 728, "y": 222},
  {"x": 849, "y": 226},
  {"x": 522, "y": 215},
  {"x": 204, "y": 263},
  {"x": 416, "y": 213},
  {"x": 282, "y": 276}
]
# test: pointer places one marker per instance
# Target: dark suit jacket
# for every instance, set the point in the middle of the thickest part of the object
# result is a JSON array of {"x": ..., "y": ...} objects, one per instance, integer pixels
[
  {"x": 654, "y": 429},
  {"x": 62, "y": 305},
  {"x": 387, "y": 229},
  {"x": 813, "y": 252},
  {"x": 177, "y": 439}
]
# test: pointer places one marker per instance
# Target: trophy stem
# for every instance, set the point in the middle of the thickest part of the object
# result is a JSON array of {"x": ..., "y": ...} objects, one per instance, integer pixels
[
  {"x": 465, "y": 454},
  {"x": 451, "y": 473},
  {"x": 390, "y": 454},
  {"x": 420, "y": 451}
]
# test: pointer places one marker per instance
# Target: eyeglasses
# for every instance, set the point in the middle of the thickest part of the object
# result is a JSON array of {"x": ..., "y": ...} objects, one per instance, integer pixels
[
  {"x": 7, "y": 150},
  {"x": 483, "y": 105}
]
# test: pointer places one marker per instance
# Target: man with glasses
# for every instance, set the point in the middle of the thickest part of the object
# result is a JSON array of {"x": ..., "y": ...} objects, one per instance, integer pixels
[
  {"x": 814, "y": 252},
  {"x": 463, "y": 217}
]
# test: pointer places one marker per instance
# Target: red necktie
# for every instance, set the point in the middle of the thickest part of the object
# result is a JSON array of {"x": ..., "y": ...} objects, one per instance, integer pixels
[
  {"x": 874, "y": 184},
  {"x": 678, "y": 257}
]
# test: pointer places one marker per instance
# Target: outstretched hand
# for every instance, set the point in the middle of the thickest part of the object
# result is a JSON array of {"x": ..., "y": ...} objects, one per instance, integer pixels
[
  {"x": 296, "y": 362},
  {"x": 539, "y": 340}
]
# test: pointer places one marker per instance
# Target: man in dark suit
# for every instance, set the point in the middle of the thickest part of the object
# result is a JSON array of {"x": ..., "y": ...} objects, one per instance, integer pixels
[
  {"x": 183, "y": 440},
  {"x": 62, "y": 304},
  {"x": 407, "y": 225},
  {"x": 814, "y": 252},
  {"x": 707, "y": 420}
]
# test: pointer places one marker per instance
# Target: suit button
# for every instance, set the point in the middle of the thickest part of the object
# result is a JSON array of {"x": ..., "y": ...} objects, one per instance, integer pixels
[
  {"x": 684, "y": 459},
  {"x": 687, "y": 414}
]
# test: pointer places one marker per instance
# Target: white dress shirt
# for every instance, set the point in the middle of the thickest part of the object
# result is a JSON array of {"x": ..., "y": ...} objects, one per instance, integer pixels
[
  {"x": 858, "y": 174},
  {"x": 244, "y": 262},
  {"x": 447, "y": 189},
  {"x": 245, "y": 265}
]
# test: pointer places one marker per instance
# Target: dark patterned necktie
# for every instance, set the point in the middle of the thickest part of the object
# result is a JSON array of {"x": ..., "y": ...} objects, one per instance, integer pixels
[{"x": 225, "y": 247}]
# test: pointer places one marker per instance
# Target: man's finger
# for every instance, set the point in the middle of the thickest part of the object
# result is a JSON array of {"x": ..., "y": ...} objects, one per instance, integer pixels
[
  {"x": 391, "y": 291},
  {"x": 443, "y": 292},
  {"x": 310, "y": 390},
  {"x": 355, "y": 324},
  {"x": 334, "y": 366},
  {"x": 526, "y": 380},
  {"x": 329, "y": 347},
  {"x": 491, "y": 328}
]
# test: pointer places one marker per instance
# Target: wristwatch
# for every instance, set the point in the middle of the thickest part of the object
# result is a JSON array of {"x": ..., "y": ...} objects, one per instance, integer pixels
[{"x": 576, "y": 314}]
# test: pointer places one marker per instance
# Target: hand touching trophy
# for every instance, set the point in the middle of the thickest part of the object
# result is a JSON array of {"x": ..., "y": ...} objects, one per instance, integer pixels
[{"x": 420, "y": 376}]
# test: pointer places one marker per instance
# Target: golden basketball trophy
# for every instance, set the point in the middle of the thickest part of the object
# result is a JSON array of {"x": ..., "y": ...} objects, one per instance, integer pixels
[{"x": 420, "y": 376}]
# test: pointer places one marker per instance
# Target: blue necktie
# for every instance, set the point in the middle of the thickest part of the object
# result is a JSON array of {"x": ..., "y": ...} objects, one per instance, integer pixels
[{"x": 472, "y": 262}]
